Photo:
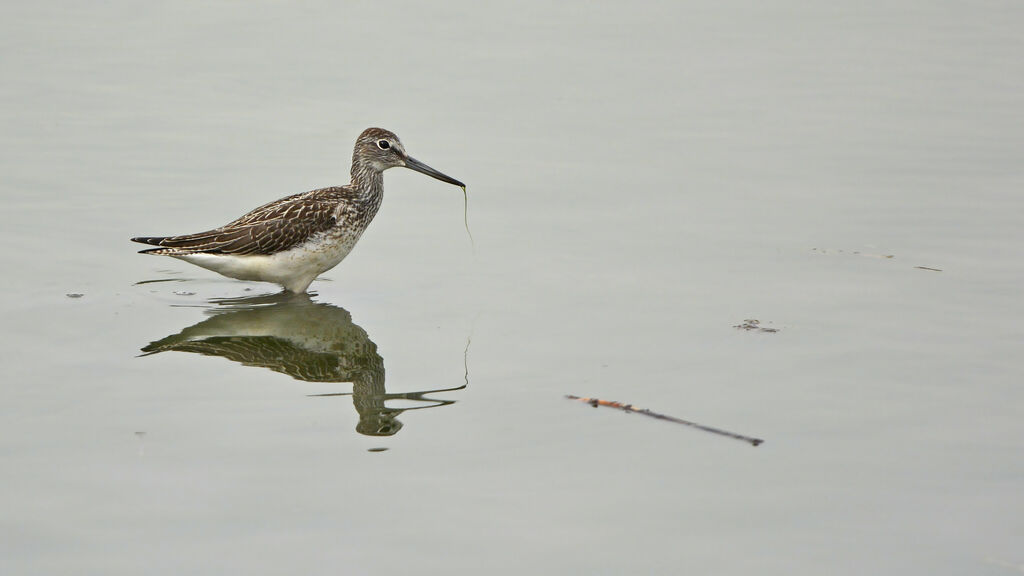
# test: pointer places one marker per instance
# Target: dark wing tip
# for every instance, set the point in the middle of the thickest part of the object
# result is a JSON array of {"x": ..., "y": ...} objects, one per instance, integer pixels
[
  {"x": 162, "y": 251},
  {"x": 152, "y": 240}
]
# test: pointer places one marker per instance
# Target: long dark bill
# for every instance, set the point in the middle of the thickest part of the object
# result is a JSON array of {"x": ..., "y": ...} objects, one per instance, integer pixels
[{"x": 422, "y": 168}]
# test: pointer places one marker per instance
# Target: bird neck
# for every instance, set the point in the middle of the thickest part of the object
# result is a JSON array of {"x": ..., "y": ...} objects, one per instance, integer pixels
[{"x": 367, "y": 180}]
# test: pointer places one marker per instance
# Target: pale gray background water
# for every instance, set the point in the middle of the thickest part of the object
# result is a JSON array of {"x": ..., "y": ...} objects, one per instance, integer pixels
[{"x": 642, "y": 178}]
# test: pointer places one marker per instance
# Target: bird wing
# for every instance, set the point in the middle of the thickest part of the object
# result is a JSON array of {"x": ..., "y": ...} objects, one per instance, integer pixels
[{"x": 273, "y": 227}]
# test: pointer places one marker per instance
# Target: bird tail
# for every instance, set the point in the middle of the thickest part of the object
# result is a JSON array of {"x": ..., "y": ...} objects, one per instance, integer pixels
[
  {"x": 164, "y": 251},
  {"x": 155, "y": 241}
]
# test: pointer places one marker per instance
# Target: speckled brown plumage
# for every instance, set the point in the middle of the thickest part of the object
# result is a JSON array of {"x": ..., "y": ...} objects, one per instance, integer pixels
[
  {"x": 275, "y": 227},
  {"x": 293, "y": 240}
]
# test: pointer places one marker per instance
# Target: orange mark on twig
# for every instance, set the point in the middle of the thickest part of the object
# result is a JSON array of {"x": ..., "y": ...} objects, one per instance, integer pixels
[{"x": 595, "y": 402}]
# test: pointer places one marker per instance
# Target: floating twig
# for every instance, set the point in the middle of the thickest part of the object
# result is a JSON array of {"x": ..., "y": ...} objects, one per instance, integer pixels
[
  {"x": 927, "y": 268},
  {"x": 595, "y": 402}
]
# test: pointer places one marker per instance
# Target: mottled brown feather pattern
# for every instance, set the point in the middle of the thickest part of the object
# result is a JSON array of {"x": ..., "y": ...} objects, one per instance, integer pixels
[
  {"x": 274, "y": 227},
  {"x": 293, "y": 240}
]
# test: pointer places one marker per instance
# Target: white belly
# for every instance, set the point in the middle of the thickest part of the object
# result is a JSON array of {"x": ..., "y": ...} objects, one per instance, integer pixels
[{"x": 294, "y": 269}]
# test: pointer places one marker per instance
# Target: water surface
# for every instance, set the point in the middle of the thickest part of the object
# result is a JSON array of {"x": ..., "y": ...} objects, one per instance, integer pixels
[{"x": 642, "y": 179}]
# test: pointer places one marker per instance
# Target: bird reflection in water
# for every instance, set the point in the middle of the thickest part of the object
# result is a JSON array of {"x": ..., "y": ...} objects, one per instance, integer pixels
[{"x": 309, "y": 341}]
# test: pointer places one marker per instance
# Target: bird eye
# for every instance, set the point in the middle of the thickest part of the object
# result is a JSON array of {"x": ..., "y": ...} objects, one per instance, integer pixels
[{"x": 383, "y": 144}]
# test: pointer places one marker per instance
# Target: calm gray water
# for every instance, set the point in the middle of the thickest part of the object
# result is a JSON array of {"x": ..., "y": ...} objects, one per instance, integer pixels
[{"x": 642, "y": 179}]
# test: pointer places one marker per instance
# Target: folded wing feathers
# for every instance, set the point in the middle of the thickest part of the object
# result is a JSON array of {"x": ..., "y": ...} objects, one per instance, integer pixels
[{"x": 271, "y": 228}]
